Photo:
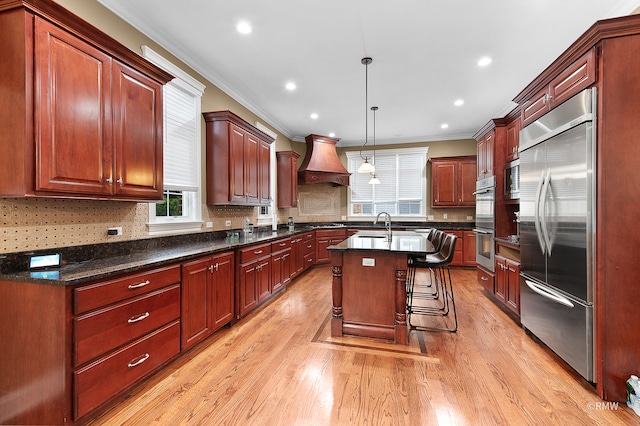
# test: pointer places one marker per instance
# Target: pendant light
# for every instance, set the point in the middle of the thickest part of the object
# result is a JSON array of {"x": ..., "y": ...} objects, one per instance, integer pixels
[
  {"x": 374, "y": 178},
  {"x": 366, "y": 167}
]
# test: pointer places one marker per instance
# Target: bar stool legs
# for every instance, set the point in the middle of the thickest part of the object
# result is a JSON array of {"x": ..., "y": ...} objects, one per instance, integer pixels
[{"x": 434, "y": 298}]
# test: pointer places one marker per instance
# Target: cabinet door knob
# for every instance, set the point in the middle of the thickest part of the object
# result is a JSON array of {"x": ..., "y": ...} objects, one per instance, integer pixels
[
  {"x": 109, "y": 180},
  {"x": 120, "y": 181}
]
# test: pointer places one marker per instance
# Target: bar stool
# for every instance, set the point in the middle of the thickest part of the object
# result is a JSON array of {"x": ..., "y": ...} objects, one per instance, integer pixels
[
  {"x": 425, "y": 290},
  {"x": 436, "y": 297}
]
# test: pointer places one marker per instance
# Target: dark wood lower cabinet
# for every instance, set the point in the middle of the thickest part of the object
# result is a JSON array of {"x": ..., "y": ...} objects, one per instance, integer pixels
[
  {"x": 102, "y": 338},
  {"x": 507, "y": 282},
  {"x": 207, "y": 296}
]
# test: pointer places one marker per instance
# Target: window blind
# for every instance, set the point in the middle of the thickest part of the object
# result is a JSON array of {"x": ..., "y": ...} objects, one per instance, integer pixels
[{"x": 181, "y": 144}]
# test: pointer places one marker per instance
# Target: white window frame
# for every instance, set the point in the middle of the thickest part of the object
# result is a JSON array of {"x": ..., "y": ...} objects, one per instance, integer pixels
[
  {"x": 357, "y": 155},
  {"x": 192, "y": 201},
  {"x": 270, "y": 217}
]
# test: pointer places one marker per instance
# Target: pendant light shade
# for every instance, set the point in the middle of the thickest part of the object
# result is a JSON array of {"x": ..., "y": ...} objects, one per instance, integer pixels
[
  {"x": 366, "y": 166},
  {"x": 374, "y": 180}
]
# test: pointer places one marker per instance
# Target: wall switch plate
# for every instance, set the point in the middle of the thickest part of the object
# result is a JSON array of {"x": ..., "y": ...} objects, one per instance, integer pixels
[
  {"x": 367, "y": 261},
  {"x": 209, "y": 224},
  {"x": 469, "y": 217},
  {"x": 114, "y": 231},
  {"x": 444, "y": 216},
  {"x": 344, "y": 218},
  {"x": 227, "y": 223},
  {"x": 430, "y": 217}
]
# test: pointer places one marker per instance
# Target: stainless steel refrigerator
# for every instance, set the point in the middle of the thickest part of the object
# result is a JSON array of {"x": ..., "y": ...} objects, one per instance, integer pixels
[{"x": 557, "y": 230}]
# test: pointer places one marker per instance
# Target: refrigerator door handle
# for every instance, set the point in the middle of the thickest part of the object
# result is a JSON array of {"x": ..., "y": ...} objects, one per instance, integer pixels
[
  {"x": 543, "y": 213},
  {"x": 549, "y": 294},
  {"x": 536, "y": 219}
]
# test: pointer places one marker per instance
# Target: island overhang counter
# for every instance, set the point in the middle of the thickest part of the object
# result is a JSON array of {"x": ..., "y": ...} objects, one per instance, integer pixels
[{"x": 369, "y": 283}]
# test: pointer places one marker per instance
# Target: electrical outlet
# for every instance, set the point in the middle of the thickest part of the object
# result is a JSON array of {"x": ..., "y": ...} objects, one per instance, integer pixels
[
  {"x": 227, "y": 224},
  {"x": 430, "y": 217},
  {"x": 444, "y": 216},
  {"x": 112, "y": 232},
  {"x": 469, "y": 217},
  {"x": 209, "y": 224},
  {"x": 344, "y": 218}
]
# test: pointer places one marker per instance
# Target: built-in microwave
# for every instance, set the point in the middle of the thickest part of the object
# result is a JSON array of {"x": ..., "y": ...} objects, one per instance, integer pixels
[{"x": 512, "y": 180}]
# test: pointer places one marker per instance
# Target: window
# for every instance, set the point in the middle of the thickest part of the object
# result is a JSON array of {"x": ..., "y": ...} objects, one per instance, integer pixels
[
  {"x": 266, "y": 214},
  {"x": 402, "y": 188},
  {"x": 181, "y": 209}
]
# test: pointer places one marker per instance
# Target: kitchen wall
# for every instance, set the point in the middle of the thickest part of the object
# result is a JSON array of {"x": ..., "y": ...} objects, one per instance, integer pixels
[{"x": 33, "y": 224}]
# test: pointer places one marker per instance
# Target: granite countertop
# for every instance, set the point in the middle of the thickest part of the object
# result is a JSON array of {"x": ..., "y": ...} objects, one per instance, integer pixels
[
  {"x": 408, "y": 242},
  {"x": 82, "y": 264},
  {"x": 79, "y": 270}
]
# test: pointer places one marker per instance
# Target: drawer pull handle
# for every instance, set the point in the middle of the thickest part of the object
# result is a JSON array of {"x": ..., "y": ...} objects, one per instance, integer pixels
[
  {"x": 282, "y": 244},
  {"x": 309, "y": 246},
  {"x": 139, "y": 361},
  {"x": 484, "y": 278},
  {"x": 142, "y": 284},
  {"x": 138, "y": 318},
  {"x": 257, "y": 252}
]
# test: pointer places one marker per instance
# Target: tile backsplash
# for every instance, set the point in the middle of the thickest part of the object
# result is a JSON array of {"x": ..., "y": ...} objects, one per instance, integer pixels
[{"x": 39, "y": 223}]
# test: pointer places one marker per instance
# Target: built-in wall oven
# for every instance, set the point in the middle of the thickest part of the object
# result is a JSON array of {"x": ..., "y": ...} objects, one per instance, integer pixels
[{"x": 485, "y": 222}]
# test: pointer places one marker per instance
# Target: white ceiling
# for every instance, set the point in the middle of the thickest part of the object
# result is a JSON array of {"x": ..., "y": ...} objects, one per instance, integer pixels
[{"x": 424, "y": 54}]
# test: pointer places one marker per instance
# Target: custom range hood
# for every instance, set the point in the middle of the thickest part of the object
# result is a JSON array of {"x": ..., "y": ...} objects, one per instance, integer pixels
[{"x": 321, "y": 162}]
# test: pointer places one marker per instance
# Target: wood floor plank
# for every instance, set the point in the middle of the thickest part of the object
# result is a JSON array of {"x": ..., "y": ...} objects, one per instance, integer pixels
[{"x": 280, "y": 366}]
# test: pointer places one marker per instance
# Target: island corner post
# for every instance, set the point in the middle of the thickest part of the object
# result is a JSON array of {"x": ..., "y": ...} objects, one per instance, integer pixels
[{"x": 369, "y": 295}]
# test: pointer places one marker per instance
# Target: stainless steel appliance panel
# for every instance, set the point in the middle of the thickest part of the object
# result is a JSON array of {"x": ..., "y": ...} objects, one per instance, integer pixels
[
  {"x": 485, "y": 250},
  {"x": 566, "y": 211},
  {"x": 564, "y": 324},
  {"x": 485, "y": 203},
  {"x": 532, "y": 252},
  {"x": 557, "y": 230}
]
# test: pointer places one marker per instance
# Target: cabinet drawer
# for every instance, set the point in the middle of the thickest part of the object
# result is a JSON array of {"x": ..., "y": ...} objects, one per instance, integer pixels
[
  {"x": 281, "y": 245},
  {"x": 308, "y": 247},
  {"x": 486, "y": 280},
  {"x": 333, "y": 234},
  {"x": 309, "y": 259},
  {"x": 254, "y": 252},
  {"x": 101, "y": 331},
  {"x": 103, "y": 379},
  {"x": 94, "y": 296},
  {"x": 308, "y": 236}
]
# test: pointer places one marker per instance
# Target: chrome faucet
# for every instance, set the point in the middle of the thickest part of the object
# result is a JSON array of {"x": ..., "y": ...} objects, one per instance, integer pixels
[{"x": 387, "y": 223}]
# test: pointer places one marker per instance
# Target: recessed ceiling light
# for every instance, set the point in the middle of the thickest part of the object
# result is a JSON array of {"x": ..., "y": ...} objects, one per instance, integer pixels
[
  {"x": 459, "y": 102},
  {"x": 444, "y": 126},
  {"x": 332, "y": 135},
  {"x": 243, "y": 27},
  {"x": 314, "y": 116},
  {"x": 290, "y": 85},
  {"x": 483, "y": 62}
]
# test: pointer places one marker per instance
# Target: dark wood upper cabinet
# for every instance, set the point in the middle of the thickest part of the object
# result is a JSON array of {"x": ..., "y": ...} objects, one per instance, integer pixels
[
  {"x": 287, "y": 162},
  {"x": 238, "y": 161},
  {"x": 84, "y": 117},
  {"x": 579, "y": 75},
  {"x": 453, "y": 181},
  {"x": 513, "y": 140}
]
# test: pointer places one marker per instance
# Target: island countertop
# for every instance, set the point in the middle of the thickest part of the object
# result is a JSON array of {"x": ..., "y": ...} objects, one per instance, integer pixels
[{"x": 402, "y": 242}]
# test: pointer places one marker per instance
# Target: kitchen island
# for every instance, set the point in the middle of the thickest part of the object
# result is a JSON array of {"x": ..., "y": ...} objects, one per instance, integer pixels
[{"x": 369, "y": 283}]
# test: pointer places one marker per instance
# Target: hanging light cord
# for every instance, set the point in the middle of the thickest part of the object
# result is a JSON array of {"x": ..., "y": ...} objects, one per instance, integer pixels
[
  {"x": 366, "y": 62},
  {"x": 374, "y": 109}
]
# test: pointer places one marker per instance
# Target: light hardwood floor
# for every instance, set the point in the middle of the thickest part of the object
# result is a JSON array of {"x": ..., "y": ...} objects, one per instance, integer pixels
[{"x": 279, "y": 366}]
